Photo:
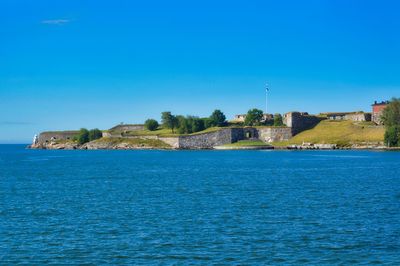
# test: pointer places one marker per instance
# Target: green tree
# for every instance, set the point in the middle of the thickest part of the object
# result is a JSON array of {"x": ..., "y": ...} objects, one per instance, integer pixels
[
  {"x": 207, "y": 122},
  {"x": 218, "y": 118},
  {"x": 392, "y": 136},
  {"x": 169, "y": 121},
  {"x": 184, "y": 126},
  {"x": 83, "y": 136},
  {"x": 253, "y": 117},
  {"x": 391, "y": 120},
  {"x": 95, "y": 134},
  {"x": 197, "y": 124},
  {"x": 190, "y": 124},
  {"x": 278, "y": 120},
  {"x": 391, "y": 114},
  {"x": 151, "y": 124}
]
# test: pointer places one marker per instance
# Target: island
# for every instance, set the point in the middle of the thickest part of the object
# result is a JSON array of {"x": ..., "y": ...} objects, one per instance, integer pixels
[{"x": 254, "y": 130}]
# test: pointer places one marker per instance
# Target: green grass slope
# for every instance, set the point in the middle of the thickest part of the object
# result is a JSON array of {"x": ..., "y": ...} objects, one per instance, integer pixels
[
  {"x": 161, "y": 132},
  {"x": 340, "y": 132},
  {"x": 154, "y": 143},
  {"x": 247, "y": 143}
]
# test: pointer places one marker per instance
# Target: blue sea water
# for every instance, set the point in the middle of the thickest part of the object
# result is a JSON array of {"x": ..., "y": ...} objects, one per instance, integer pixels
[{"x": 199, "y": 207}]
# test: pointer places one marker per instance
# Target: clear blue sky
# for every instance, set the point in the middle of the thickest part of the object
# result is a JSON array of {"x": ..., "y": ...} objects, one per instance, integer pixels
[{"x": 73, "y": 63}]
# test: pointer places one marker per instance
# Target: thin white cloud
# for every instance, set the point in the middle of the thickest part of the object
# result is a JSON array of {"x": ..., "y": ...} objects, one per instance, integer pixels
[
  {"x": 14, "y": 123},
  {"x": 56, "y": 21}
]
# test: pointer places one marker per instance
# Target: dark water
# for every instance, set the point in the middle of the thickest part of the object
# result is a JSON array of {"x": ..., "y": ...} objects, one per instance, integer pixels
[{"x": 202, "y": 207}]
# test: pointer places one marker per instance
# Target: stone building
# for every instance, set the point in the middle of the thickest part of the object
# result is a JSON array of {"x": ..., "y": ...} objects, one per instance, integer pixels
[
  {"x": 239, "y": 118},
  {"x": 300, "y": 121},
  {"x": 242, "y": 117},
  {"x": 377, "y": 111},
  {"x": 351, "y": 116}
]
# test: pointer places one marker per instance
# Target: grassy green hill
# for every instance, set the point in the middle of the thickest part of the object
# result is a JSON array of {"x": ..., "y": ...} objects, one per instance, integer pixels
[
  {"x": 165, "y": 132},
  {"x": 340, "y": 132}
]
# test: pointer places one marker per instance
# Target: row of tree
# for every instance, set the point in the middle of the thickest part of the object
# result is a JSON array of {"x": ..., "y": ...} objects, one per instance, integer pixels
[
  {"x": 190, "y": 124},
  {"x": 85, "y": 135},
  {"x": 255, "y": 117},
  {"x": 391, "y": 120}
]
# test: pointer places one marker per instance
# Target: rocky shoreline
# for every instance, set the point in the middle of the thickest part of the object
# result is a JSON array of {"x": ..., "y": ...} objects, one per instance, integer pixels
[
  {"x": 129, "y": 146},
  {"x": 94, "y": 146}
]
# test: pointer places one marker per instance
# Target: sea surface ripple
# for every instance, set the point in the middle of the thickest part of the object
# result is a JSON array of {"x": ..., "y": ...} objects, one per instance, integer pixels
[{"x": 199, "y": 207}]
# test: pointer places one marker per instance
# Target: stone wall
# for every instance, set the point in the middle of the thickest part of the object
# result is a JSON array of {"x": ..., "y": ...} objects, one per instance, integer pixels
[
  {"x": 223, "y": 136},
  {"x": 351, "y": 116},
  {"x": 206, "y": 140},
  {"x": 172, "y": 141},
  {"x": 274, "y": 134},
  {"x": 229, "y": 135},
  {"x": 358, "y": 117},
  {"x": 123, "y": 128},
  {"x": 300, "y": 121},
  {"x": 56, "y": 135},
  {"x": 377, "y": 118},
  {"x": 244, "y": 133}
]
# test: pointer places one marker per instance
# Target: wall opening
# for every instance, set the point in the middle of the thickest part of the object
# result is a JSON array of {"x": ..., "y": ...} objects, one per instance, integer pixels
[{"x": 248, "y": 135}]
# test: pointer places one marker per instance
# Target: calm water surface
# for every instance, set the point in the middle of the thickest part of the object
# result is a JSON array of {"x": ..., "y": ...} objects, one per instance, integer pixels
[{"x": 199, "y": 207}]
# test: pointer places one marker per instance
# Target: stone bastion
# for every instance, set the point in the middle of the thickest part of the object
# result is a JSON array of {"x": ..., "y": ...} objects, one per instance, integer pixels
[{"x": 296, "y": 122}]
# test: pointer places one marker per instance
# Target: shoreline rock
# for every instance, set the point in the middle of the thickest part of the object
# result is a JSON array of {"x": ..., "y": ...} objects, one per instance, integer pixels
[
  {"x": 93, "y": 146},
  {"x": 128, "y": 146}
]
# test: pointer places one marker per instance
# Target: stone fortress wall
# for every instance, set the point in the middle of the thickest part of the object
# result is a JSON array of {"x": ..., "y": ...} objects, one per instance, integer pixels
[
  {"x": 274, "y": 134},
  {"x": 206, "y": 140},
  {"x": 295, "y": 123},
  {"x": 350, "y": 116},
  {"x": 299, "y": 122},
  {"x": 231, "y": 135},
  {"x": 359, "y": 117},
  {"x": 68, "y": 135},
  {"x": 56, "y": 136},
  {"x": 196, "y": 141}
]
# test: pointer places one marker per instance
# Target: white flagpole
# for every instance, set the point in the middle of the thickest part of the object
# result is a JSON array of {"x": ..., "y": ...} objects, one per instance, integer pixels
[{"x": 266, "y": 99}]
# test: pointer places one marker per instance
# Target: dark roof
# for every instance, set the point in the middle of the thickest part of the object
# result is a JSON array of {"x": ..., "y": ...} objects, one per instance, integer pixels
[{"x": 381, "y": 103}]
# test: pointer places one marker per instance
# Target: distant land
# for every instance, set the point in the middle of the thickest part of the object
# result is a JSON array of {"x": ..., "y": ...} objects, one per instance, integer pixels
[{"x": 297, "y": 130}]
